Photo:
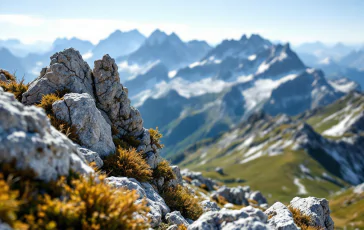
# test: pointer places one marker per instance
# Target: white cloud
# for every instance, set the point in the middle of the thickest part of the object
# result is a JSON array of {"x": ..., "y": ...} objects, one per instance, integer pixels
[
  {"x": 31, "y": 28},
  {"x": 20, "y": 20}
]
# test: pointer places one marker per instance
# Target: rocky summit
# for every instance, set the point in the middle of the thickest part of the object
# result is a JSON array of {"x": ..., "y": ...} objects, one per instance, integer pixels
[{"x": 74, "y": 154}]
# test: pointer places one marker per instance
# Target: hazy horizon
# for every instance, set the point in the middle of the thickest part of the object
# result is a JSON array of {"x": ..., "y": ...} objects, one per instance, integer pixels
[{"x": 296, "y": 22}]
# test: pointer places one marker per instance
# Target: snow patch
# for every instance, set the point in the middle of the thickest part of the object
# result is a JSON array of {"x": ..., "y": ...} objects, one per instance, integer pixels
[{"x": 301, "y": 188}]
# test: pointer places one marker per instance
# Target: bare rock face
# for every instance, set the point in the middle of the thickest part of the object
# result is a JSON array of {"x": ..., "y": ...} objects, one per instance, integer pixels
[
  {"x": 235, "y": 195},
  {"x": 245, "y": 218},
  {"x": 67, "y": 70},
  {"x": 93, "y": 131},
  {"x": 318, "y": 209},
  {"x": 175, "y": 218},
  {"x": 155, "y": 202},
  {"x": 281, "y": 217},
  {"x": 92, "y": 157},
  {"x": 113, "y": 99},
  {"x": 27, "y": 136}
]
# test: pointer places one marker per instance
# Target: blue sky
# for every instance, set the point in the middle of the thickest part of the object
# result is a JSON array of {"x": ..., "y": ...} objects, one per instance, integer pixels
[{"x": 295, "y": 21}]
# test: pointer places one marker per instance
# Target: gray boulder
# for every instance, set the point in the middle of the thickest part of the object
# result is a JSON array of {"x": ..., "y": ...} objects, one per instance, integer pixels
[
  {"x": 93, "y": 131},
  {"x": 91, "y": 156},
  {"x": 208, "y": 205},
  {"x": 158, "y": 208},
  {"x": 258, "y": 197},
  {"x": 234, "y": 195},
  {"x": 175, "y": 218},
  {"x": 177, "y": 173},
  {"x": 318, "y": 209},
  {"x": 219, "y": 170},
  {"x": 245, "y": 218},
  {"x": 27, "y": 136},
  {"x": 280, "y": 217},
  {"x": 210, "y": 184},
  {"x": 67, "y": 70}
]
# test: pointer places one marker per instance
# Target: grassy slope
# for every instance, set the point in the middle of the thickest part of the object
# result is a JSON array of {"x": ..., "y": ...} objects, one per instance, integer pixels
[
  {"x": 273, "y": 175},
  {"x": 347, "y": 210}
]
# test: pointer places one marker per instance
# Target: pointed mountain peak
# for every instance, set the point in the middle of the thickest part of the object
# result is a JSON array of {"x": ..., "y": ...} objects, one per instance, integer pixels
[
  {"x": 244, "y": 38},
  {"x": 156, "y": 37}
]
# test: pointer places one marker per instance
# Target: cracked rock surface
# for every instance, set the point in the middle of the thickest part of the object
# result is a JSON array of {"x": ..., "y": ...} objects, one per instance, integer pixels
[
  {"x": 27, "y": 136},
  {"x": 93, "y": 131},
  {"x": 69, "y": 72}
]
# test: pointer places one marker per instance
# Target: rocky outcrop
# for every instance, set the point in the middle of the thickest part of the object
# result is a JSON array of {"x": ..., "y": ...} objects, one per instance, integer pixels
[
  {"x": 208, "y": 205},
  {"x": 318, "y": 209},
  {"x": 79, "y": 110},
  {"x": 234, "y": 195},
  {"x": 175, "y": 218},
  {"x": 107, "y": 106},
  {"x": 280, "y": 217},
  {"x": 27, "y": 136},
  {"x": 245, "y": 218},
  {"x": 155, "y": 202},
  {"x": 258, "y": 197},
  {"x": 210, "y": 184},
  {"x": 67, "y": 71},
  {"x": 91, "y": 157}
]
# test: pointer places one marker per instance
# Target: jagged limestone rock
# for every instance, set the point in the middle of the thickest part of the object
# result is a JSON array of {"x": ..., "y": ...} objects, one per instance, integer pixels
[
  {"x": 280, "y": 217},
  {"x": 210, "y": 184},
  {"x": 258, "y": 197},
  {"x": 175, "y": 218},
  {"x": 113, "y": 99},
  {"x": 67, "y": 70},
  {"x": 245, "y": 218},
  {"x": 92, "y": 157},
  {"x": 79, "y": 110},
  {"x": 155, "y": 202},
  {"x": 234, "y": 195},
  {"x": 27, "y": 136},
  {"x": 208, "y": 205},
  {"x": 318, "y": 209},
  {"x": 177, "y": 172}
]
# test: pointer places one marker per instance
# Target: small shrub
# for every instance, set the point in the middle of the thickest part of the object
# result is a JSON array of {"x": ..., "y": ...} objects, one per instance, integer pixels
[
  {"x": 126, "y": 142},
  {"x": 182, "y": 227},
  {"x": 89, "y": 203},
  {"x": 69, "y": 130},
  {"x": 47, "y": 101},
  {"x": 204, "y": 187},
  {"x": 74, "y": 202},
  {"x": 179, "y": 199},
  {"x": 301, "y": 220},
  {"x": 221, "y": 200},
  {"x": 164, "y": 170},
  {"x": 188, "y": 179},
  {"x": 15, "y": 87},
  {"x": 9, "y": 77},
  {"x": 9, "y": 205},
  {"x": 128, "y": 163},
  {"x": 155, "y": 137}
]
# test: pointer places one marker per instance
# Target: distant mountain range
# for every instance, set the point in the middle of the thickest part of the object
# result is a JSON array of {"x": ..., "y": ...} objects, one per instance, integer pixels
[{"x": 315, "y": 153}]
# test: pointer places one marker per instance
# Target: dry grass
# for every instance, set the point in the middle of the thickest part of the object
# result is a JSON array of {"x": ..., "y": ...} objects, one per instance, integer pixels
[
  {"x": 46, "y": 103},
  {"x": 221, "y": 200},
  {"x": 155, "y": 137},
  {"x": 9, "y": 76},
  {"x": 74, "y": 202},
  {"x": 179, "y": 199},
  {"x": 164, "y": 170},
  {"x": 302, "y": 220},
  {"x": 9, "y": 205},
  {"x": 15, "y": 87},
  {"x": 90, "y": 204},
  {"x": 128, "y": 163}
]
